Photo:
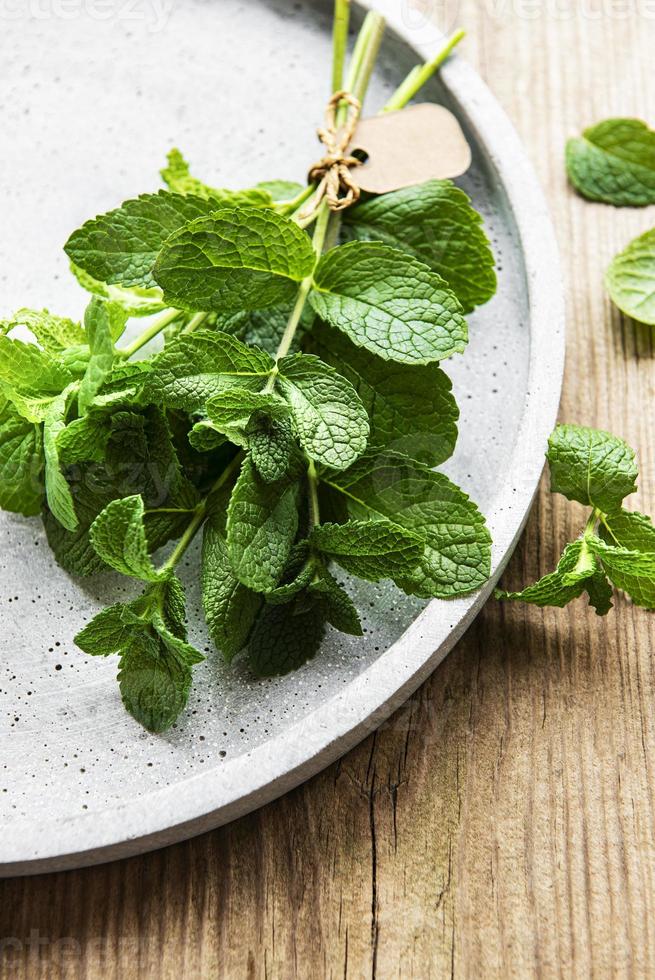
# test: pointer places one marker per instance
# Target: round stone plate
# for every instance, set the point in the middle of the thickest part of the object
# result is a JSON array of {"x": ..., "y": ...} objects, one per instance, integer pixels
[{"x": 93, "y": 98}]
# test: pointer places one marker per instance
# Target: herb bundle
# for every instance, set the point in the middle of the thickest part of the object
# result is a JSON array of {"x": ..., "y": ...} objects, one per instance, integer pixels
[{"x": 294, "y": 416}]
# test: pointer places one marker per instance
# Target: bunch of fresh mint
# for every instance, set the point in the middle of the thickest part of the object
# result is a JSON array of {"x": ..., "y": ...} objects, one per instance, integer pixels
[{"x": 294, "y": 414}]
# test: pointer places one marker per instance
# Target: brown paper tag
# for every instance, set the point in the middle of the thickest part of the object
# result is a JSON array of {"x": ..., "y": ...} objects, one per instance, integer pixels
[{"x": 420, "y": 143}]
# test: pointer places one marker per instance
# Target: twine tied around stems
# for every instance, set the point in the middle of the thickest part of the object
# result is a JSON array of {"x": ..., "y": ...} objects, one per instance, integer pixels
[{"x": 332, "y": 173}]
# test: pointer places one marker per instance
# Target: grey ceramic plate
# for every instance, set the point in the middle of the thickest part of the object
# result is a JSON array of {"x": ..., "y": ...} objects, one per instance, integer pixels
[{"x": 89, "y": 109}]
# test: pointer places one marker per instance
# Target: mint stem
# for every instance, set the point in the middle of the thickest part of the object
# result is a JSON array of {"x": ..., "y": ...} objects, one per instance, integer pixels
[
  {"x": 359, "y": 84},
  {"x": 159, "y": 324},
  {"x": 339, "y": 42},
  {"x": 312, "y": 482},
  {"x": 421, "y": 74}
]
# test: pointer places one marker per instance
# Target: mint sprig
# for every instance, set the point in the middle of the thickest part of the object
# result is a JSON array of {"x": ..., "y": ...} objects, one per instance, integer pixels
[{"x": 290, "y": 415}]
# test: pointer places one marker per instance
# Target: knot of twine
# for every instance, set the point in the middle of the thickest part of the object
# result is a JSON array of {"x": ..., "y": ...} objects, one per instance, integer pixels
[{"x": 332, "y": 172}]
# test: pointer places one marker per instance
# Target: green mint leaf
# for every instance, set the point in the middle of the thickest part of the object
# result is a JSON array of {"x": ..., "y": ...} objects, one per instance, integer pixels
[
  {"x": 630, "y": 279},
  {"x": 272, "y": 446},
  {"x": 298, "y": 575},
  {"x": 631, "y": 571},
  {"x": 591, "y": 466},
  {"x": 335, "y": 604},
  {"x": 372, "y": 550},
  {"x": 134, "y": 300},
  {"x": 285, "y": 637},
  {"x": 329, "y": 417},
  {"x": 177, "y": 176},
  {"x": 231, "y": 409},
  {"x": 21, "y": 464},
  {"x": 614, "y": 162},
  {"x": 53, "y": 333},
  {"x": 457, "y": 546},
  {"x": 236, "y": 259},
  {"x": 101, "y": 321},
  {"x": 436, "y": 224},
  {"x": 600, "y": 592},
  {"x": 194, "y": 368},
  {"x": 118, "y": 535},
  {"x": 264, "y": 328},
  {"x": 58, "y": 494},
  {"x": 280, "y": 190},
  {"x": 560, "y": 587},
  {"x": 121, "y": 247},
  {"x": 154, "y": 687},
  {"x": 628, "y": 529},
  {"x": 204, "y": 437},
  {"x": 411, "y": 408},
  {"x": 26, "y": 369},
  {"x": 262, "y": 521},
  {"x": 389, "y": 303},
  {"x": 83, "y": 440},
  {"x": 230, "y": 607},
  {"x": 123, "y": 383}
]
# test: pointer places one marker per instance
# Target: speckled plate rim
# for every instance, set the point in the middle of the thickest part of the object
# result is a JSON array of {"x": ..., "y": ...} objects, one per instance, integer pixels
[{"x": 213, "y": 798}]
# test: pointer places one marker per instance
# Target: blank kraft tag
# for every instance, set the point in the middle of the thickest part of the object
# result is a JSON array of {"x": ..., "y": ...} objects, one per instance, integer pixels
[{"x": 408, "y": 147}]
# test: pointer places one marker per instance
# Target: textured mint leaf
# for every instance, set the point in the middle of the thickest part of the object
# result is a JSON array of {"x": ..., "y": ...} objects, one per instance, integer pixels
[
  {"x": 630, "y": 530},
  {"x": 591, "y": 466},
  {"x": 58, "y": 494},
  {"x": 118, "y": 535},
  {"x": 600, "y": 592},
  {"x": 83, "y": 440},
  {"x": 614, "y": 162},
  {"x": 561, "y": 586},
  {"x": 285, "y": 637},
  {"x": 231, "y": 409},
  {"x": 154, "y": 688},
  {"x": 436, "y": 224},
  {"x": 457, "y": 546},
  {"x": 631, "y": 571},
  {"x": 53, "y": 333},
  {"x": 262, "y": 522},
  {"x": 108, "y": 632},
  {"x": 205, "y": 437},
  {"x": 389, "y": 303},
  {"x": 25, "y": 368},
  {"x": 297, "y": 577},
  {"x": 372, "y": 550},
  {"x": 411, "y": 408},
  {"x": 236, "y": 259},
  {"x": 123, "y": 383},
  {"x": 21, "y": 464},
  {"x": 329, "y": 417},
  {"x": 630, "y": 278},
  {"x": 177, "y": 176},
  {"x": 197, "y": 367},
  {"x": 281, "y": 190},
  {"x": 134, "y": 300},
  {"x": 273, "y": 450},
  {"x": 101, "y": 321},
  {"x": 120, "y": 247},
  {"x": 264, "y": 328},
  {"x": 335, "y": 604},
  {"x": 230, "y": 607}
]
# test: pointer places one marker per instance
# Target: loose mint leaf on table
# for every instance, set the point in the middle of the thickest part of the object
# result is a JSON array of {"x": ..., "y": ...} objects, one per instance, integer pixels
[
  {"x": 262, "y": 521},
  {"x": 574, "y": 575},
  {"x": 285, "y": 637},
  {"x": 372, "y": 550},
  {"x": 177, "y": 177},
  {"x": 118, "y": 535},
  {"x": 631, "y": 571},
  {"x": 230, "y": 607},
  {"x": 411, "y": 408},
  {"x": 21, "y": 463},
  {"x": 456, "y": 553},
  {"x": 53, "y": 333},
  {"x": 389, "y": 303},
  {"x": 630, "y": 279},
  {"x": 121, "y": 247},
  {"x": 614, "y": 162},
  {"x": 197, "y": 367},
  {"x": 591, "y": 466},
  {"x": 134, "y": 300},
  {"x": 436, "y": 224},
  {"x": 103, "y": 323},
  {"x": 329, "y": 417},
  {"x": 628, "y": 529},
  {"x": 234, "y": 260}
]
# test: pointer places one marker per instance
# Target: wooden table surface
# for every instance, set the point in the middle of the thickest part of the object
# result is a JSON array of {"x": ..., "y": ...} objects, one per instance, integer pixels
[{"x": 502, "y": 823}]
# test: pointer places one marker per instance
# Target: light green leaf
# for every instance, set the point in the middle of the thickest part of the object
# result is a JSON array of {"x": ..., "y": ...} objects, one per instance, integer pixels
[
  {"x": 197, "y": 367},
  {"x": 411, "y": 408},
  {"x": 118, "y": 535},
  {"x": 53, "y": 333},
  {"x": 614, "y": 162},
  {"x": 122, "y": 245},
  {"x": 457, "y": 546},
  {"x": 630, "y": 530},
  {"x": 231, "y": 409},
  {"x": 631, "y": 571},
  {"x": 372, "y": 550},
  {"x": 435, "y": 223},
  {"x": 262, "y": 521},
  {"x": 83, "y": 440},
  {"x": 29, "y": 370},
  {"x": 280, "y": 190},
  {"x": 591, "y": 466},
  {"x": 21, "y": 464},
  {"x": 102, "y": 321},
  {"x": 285, "y": 637},
  {"x": 237, "y": 259},
  {"x": 573, "y": 575},
  {"x": 630, "y": 279},
  {"x": 389, "y": 303},
  {"x": 58, "y": 493},
  {"x": 177, "y": 176},
  {"x": 230, "y": 608},
  {"x": 329, "y": 417},
  {"x": 134, "y": 300}
]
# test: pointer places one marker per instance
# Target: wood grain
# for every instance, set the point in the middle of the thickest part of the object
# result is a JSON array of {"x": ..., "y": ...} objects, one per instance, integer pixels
[{"x": 502, "y": 823}]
